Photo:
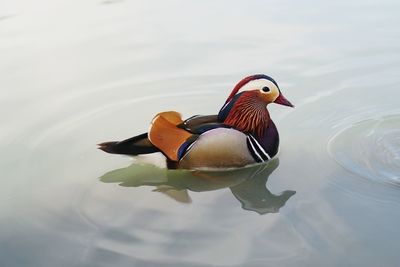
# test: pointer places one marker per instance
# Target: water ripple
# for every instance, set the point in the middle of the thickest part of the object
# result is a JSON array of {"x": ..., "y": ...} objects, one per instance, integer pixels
[{"x": 370, "y": 148}]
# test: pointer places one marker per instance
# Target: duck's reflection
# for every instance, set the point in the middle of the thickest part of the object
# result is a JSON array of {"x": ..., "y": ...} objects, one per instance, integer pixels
[{"x": 248, "y": 184}]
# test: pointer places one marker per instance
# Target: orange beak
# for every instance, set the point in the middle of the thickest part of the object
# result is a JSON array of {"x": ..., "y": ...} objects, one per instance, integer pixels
[{"x": 281, "y": 100}]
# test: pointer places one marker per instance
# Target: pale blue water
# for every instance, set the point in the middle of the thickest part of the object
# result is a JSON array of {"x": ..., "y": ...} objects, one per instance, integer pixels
[{"x": 75, "y": 73}]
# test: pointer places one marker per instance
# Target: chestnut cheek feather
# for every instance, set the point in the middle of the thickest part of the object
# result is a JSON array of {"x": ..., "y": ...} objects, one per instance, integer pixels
[{"x": 267, "y": 97}]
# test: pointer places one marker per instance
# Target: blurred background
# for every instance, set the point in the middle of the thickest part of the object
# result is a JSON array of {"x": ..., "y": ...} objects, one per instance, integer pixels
[{"x": 76, "y": 73}]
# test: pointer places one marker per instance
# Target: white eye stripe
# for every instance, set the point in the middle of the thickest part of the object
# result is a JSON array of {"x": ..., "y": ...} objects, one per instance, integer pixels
[{"x": 258, "y": 85}]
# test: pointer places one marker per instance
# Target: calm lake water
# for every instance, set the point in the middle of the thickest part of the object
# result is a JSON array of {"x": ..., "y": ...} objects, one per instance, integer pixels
[{"x": 76, "y": 73}]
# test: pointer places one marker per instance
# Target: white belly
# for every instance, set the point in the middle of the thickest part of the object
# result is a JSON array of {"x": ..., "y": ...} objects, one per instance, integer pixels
[{"x": 218, "y": 148}]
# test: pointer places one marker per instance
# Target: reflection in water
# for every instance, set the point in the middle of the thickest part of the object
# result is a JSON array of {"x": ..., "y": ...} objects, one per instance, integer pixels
[{"x": 248, "y": 184}]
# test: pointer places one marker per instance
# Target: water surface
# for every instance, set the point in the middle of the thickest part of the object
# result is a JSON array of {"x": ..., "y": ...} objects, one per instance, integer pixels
[{"x": 75, "y": 73}]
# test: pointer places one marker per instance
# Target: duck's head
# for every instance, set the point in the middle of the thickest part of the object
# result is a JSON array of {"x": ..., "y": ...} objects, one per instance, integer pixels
[
  {"x": 261, "y": 86},
  {"x": 246, "y": 106}
]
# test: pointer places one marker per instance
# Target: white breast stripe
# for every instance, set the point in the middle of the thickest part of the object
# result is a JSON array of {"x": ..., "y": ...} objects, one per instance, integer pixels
[
  {"x": 260, "y": 147},
  {"x": 255, "y": 151}
]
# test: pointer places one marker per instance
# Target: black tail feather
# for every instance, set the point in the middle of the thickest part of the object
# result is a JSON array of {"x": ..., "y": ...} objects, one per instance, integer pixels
[{"x": 136, "y": 145}]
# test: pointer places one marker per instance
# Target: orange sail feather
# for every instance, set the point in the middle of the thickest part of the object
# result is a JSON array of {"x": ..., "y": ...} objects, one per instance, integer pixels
[{"x": 166, "y": 136}]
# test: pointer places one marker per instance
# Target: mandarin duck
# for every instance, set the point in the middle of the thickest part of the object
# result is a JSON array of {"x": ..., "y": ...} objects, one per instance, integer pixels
[{"x": 242, "y": 133}]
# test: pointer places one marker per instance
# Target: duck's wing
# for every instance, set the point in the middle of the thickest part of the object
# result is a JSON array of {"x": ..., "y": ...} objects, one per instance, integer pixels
[
  {"x": 166, "y": 136},
  {"x": 200, "y": 124},
  {"x": 172, "y": 136},
  {"x": 197, "y": 123}
]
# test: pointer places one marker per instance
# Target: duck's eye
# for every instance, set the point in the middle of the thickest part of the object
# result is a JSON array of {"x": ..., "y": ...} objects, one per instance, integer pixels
[{"x": 265, "y": 89}]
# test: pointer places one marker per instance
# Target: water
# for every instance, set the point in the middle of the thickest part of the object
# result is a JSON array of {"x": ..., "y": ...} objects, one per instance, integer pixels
[
  {"x": 78, "y": 73},
  {"x": 371, "y": 149}
]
